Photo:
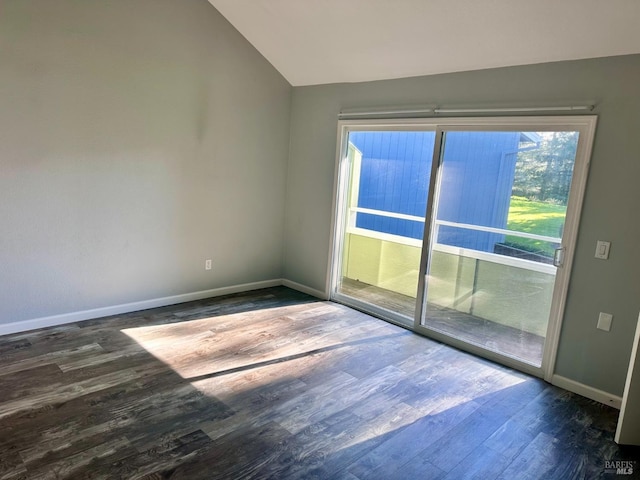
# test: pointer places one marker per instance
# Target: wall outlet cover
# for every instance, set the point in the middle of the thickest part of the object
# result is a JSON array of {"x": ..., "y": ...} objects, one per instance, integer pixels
[{"x": 604, "y": 321}]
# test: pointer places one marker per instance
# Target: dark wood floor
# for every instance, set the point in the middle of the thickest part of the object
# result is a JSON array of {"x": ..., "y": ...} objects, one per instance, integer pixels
[
  {"x": 274, "y": 384},
  {"x": 484, "y": 333}
]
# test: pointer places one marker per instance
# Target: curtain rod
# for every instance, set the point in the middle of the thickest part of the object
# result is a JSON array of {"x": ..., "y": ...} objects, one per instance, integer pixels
[
  {"x": 436, "y": 111},
  {"x": 366, "y": 113},
  {"x": 515, "y": 109}
]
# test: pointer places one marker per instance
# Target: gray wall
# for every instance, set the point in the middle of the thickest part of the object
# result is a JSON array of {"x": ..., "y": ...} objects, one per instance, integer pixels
[
  {"x": 137, "y": 139},
  {"x": 586, "y": 355}
]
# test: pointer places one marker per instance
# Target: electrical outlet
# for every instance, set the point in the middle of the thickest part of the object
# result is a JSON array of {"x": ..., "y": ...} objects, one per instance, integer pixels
[
  {"x": 207, "y": 264},
  {"x": 604, "y": 321}
]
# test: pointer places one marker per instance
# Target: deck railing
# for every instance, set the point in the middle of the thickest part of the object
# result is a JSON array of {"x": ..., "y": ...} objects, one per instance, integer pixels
[{"x": 460, "y": 251}]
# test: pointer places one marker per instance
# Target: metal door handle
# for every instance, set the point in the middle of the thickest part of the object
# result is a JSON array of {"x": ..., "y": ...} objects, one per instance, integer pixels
[{"x": 558, "y": 257}]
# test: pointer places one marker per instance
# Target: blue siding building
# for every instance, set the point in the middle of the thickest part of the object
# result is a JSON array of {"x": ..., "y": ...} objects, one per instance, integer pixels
[
  {"x": 477, "y": 179},
  {"x": 394, "y": 177}
]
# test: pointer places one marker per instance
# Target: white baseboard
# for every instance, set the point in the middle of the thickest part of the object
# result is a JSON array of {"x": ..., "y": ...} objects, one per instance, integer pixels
[
  {"x": 55, "y": 320},
  {"x": 587, "y": 391},
  {"x": 304, "y": 289}
]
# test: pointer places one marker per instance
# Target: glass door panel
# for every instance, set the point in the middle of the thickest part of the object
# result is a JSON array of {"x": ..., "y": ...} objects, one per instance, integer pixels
[
  {"x": 384, "y": 202},
  {"x": 500, "y": 210}
]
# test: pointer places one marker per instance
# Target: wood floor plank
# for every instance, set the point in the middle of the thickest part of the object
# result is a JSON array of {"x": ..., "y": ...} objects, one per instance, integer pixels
[
  {"x": 24, "y": 385},
  {"x": 70, "y": 462},
  {"x": 237, "y": 455},
  {"x": 295, "y": 411},
  {"x": 465, "y": 438},
  {"x": 32, "y": 335},
  {"x": 540, "y": 459},
  {"x": 344, "y": 395},
  {"x": 90, "y": 359},
  {"x": 62, "y": 392},
  {"x": 276, "y": 384},
  {"x": 350, "y": 444},
  {"x": 11, "y": 464},
  {"x": 158, "y": 461},
  {"x": 481, "y": 464},
  {"x": 509, "y": 440},
  {"x": 56, "y": 357},
  {"x": 9, "y": 345},
  {"x": 406, "y": 443}
]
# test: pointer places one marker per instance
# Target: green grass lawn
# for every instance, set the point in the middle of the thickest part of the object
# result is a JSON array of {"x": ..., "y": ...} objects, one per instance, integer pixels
[{"x": 534, "y": 217}]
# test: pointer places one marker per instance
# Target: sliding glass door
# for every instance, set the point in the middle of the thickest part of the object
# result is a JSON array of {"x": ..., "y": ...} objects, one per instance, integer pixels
[
  {"x": 496, "y": 238},
  {"x": 386, "y": 181},
  {"x": 462, "y": 229}
]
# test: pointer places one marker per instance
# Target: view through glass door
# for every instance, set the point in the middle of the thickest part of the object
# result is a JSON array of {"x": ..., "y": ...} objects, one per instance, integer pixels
[
  {"x": 497, "y": 238},
  {"x": 385, "y": 201},
  {"x": 473, "y": 246}
]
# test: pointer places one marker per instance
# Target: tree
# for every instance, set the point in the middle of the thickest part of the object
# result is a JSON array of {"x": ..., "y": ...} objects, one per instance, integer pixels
[{"x": 544, "y": 173}]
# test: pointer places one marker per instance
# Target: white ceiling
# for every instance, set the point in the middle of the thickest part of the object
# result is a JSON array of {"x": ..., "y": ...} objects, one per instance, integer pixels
[{"x": 326, "y": 41}]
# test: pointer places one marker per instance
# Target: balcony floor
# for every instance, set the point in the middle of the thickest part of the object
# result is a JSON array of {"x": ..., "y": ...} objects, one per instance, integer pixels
[{"x": 493, "y": 336}]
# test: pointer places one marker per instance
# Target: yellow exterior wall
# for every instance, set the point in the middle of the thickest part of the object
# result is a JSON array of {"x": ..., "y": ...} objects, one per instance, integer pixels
[
  {"x": 513, "y": 296},
  {"x": 385, "y": 264},
  {"x": 504, "y": 294}
]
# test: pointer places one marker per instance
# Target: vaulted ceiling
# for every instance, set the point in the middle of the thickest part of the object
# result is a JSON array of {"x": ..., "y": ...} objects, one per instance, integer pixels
[{"x": 327, "y": 41}]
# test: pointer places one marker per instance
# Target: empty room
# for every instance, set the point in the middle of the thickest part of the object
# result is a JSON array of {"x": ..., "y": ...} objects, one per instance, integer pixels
[{"x": 298, "y": 239}]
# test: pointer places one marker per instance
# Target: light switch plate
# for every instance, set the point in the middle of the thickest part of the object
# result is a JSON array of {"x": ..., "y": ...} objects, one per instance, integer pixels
[
  {"x": 604, "y": 321},
  {"x": 602, "y": 249}
]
